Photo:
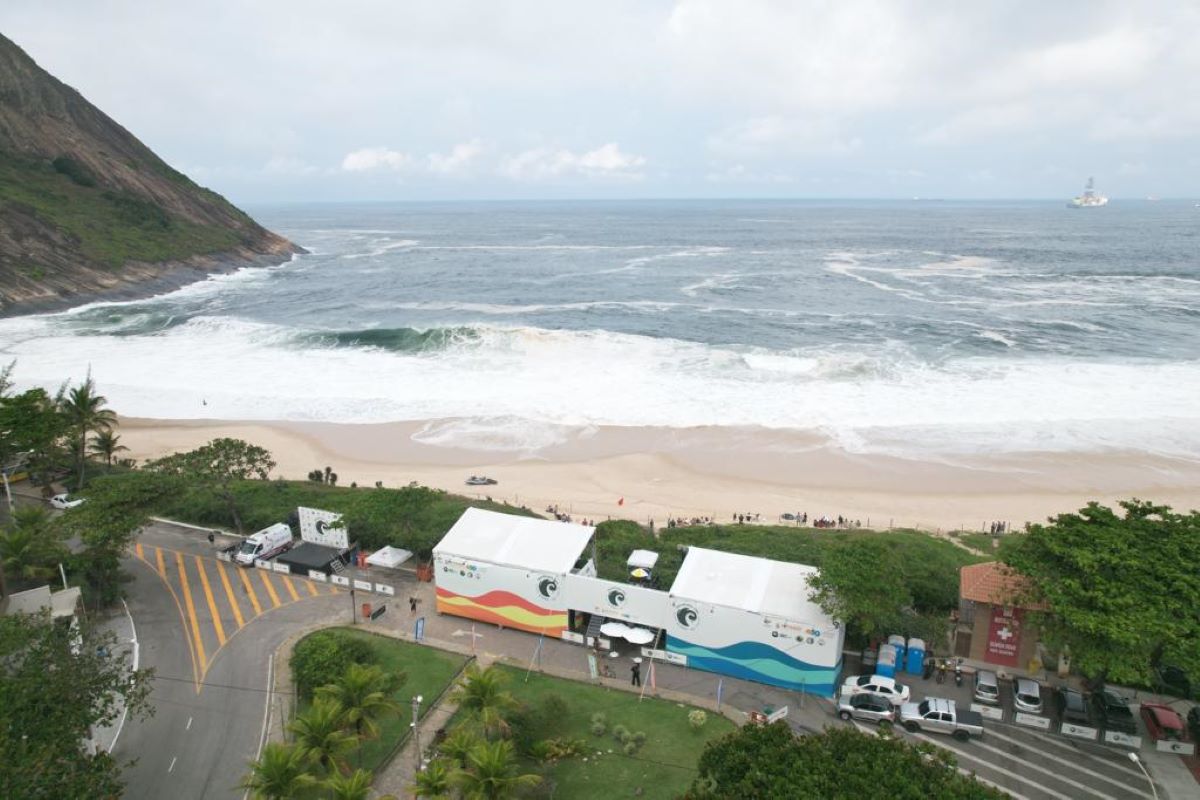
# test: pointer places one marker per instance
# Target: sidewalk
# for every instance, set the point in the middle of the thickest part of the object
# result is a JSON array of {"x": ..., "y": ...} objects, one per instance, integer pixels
[{"x": 120, "y": 623}]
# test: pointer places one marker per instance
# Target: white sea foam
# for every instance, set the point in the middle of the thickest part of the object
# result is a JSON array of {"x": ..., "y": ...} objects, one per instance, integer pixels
[{"x": 879, "y": 398}]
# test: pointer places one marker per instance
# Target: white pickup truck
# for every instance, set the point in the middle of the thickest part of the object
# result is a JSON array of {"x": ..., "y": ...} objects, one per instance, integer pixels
[{"x": 941, "y": 716}]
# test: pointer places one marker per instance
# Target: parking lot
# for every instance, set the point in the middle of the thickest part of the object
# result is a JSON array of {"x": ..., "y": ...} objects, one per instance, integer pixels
[{"x": 1027, "y": 762}]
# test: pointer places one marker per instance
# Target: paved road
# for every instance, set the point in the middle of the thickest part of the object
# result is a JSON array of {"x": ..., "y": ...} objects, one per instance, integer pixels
[{"x": 208, "y": 629}]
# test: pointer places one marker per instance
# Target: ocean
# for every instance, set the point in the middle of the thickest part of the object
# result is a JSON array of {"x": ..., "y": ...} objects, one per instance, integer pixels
[{"x": 909, "y": 328}]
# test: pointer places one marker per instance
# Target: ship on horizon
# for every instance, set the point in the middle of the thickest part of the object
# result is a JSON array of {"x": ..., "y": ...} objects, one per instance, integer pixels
[{"x": 1089, "y": 198}]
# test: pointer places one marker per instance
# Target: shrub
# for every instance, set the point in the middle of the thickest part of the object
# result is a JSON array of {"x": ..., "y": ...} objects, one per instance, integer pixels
[
  {"x": 599, "y": 729},
  {"x": 65, "y": 165},
  {"x": 323, "y": 657},
  {"x": 621, "y": 733},
  {"x": 697, "y": 718},
  {"x": 600, "y": 717},
  {"x": 639, "y": 738},
  {"x": 555, "y": 749},
  {"x": 630, "y": 748}
]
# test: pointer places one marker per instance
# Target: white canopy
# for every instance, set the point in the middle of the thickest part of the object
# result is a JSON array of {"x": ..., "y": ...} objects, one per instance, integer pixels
[
  {"x": 388, "y": 557},
  {"x": 646, "y": 559},
  {"x": 513, "y": 541},
  {"x": 614, "y": 629}
]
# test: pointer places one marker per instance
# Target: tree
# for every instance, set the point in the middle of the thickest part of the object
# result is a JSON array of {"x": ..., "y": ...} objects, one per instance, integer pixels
[
  {"x": 55, "y": 686},
  {"x": 106, "y": 444},
  {"x": 32, "y": 427},
  {"x": 366, "y": 694},
  {"x": 459, "y": 744},
  {"x": 433, "y": 782},
  {"x": 321, "y": 735},
  {"x": 325, "y": 653},
  {"x": 218, "y": 467},
  {"x": 1122, "y": 590},
  {"x": 861, "y": 584},
  {"x": 771, "y": 763},
  {"x": 85, "y": 412},
  {"x": 482, "y": 696},
  {"x": 280, "y": 774},
  {"x": 491, "y": 772},
  {"x": 355, "y": 786},
  {"x": 29, "y": 550}
]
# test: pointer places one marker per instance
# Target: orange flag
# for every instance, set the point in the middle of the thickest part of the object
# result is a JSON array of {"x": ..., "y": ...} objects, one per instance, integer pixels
[{"x": 621, "y": 502}]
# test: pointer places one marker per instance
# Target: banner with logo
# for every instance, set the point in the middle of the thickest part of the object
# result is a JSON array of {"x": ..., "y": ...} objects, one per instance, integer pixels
[{"x": 1004, "y": 636}]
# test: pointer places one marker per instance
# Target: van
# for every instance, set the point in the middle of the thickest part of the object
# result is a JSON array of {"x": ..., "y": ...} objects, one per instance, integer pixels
[
  {"x": 987, "y": 687},
  {"x": 267, "y": 543}
]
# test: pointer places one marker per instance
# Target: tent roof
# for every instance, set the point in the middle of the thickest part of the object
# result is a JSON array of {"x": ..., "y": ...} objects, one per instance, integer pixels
[
  {"x": 646, "y": 559},
  {"x": 759, "y": 585},
  {"x": 388, "y": 557},
  {"x": 509, "y": 540}
]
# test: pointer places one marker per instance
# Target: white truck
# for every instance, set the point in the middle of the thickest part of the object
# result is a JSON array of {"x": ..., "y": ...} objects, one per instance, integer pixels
[
  {"x": 267, "y": 543},
  {"x": 941, "y": 716}
]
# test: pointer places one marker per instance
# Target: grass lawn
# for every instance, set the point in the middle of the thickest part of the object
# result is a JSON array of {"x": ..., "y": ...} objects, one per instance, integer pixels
[
  {"x": 429, "y": 672},
  {"x": 662, "y": 768}
]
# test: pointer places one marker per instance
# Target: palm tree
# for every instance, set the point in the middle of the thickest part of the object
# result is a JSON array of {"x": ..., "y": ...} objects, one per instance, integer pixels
[
  {"x": 28, "y": 547},
  {"x": 366, "y": 694},
  {"x": 433, "y": 782},
  {"x": 458, "y": 745},
  {"x": 321, "y": 734},
  {"x": 281, "y": 773},
  {"x": 491, "y": 773},
  {"x": 106, "y": 443},
  {"x": 85, "y": 413},
  {"x": 355, "y": 786},
  {"x": 482, "y": 696}
]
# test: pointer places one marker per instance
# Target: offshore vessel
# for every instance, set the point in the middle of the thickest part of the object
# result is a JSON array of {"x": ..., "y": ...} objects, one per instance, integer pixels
[{"x": 1089, "y": 198}]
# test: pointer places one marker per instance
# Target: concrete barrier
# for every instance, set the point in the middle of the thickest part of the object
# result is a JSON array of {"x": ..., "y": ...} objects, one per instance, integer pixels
[
  {"x": 1032, "y": 720},
  {"x": 1080, "y": 732},
  {"x": 317, "y": 575}
]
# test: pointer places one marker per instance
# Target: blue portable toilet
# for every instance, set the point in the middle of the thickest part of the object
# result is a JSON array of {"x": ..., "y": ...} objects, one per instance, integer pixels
[
  {"x": 897, "y": 641},
  {"x": 886, "y": 665},
  {"x": 916, "y": 656}
]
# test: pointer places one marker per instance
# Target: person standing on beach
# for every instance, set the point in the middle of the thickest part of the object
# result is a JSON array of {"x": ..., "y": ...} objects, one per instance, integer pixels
[{"x": 636, "y": 671}]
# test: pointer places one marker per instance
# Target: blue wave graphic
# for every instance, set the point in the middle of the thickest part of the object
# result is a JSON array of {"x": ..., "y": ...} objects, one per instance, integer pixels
[{"x": 755, "y": 661}]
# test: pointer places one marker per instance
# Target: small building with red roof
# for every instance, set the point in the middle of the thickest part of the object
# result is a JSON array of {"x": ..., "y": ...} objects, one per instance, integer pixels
[{"x": 992, "y": 606}]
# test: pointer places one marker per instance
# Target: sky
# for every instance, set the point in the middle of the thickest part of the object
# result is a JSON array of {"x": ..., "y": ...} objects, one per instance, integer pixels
[{"x": 293, "y": 100}]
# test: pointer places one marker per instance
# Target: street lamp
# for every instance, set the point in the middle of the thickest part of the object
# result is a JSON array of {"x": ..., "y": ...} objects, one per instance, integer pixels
[
  {"x": 416, "y": 703},
  {"x": 1134, "y": 758}
]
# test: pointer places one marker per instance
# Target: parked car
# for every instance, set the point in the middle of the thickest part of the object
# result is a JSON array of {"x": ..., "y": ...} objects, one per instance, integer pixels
[
  {"x": 877, "y": 684},
  {"x": 64, "y": 501},
  {"x": 941, "y": 716},
  {"x": 987, "y": 687},
  {"x": 1027, "y": 696},
  {"x": 1072, "y": 707},
  {"x": 1173, "y": 681},
  {"x": 1114, "y": 712},
  {"x": 1163, "y": 722},
  {"x": 871, "y": 707}
]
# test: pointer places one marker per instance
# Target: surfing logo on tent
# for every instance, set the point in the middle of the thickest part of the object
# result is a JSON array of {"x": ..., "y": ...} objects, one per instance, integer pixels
[
  {"x": 547, "y": 587},
  {"x": 616, "y": 598},
  {"x": 687, "y": 617}
]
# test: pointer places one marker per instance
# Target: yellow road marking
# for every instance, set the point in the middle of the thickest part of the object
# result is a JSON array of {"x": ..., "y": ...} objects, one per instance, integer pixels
[
  {"x": 312, "y": 588},
  {"x": 290, "y": 587},
  {"x": 270, "y": 588},
  {"x": 191, "y": 609},
  {"x": 212, "y": 604},
  {"x": 333, "y": 589},
  {"x": 249, "y": 590},
  {"x": 162, "y": 567},
  {"x": 140, "y": 553},
  {"x": 237, "y": 612}
]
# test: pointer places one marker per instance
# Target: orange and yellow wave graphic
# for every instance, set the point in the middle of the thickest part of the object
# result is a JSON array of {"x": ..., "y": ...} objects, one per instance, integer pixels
[{"x": 503, "y": 608}]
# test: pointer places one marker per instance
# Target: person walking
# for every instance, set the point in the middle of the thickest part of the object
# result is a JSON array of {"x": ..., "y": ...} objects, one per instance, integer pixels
[
  {"x": 412, "y": 605},
  {"x": 636, "y": 671}
]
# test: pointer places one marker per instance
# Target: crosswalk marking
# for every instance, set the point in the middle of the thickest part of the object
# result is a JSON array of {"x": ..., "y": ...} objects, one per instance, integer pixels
[
  {"x": 961, "y": 754},
  {"x": 191, "y": 609},
  {"x": 140, "y": 553},
  {"x": 233, "y": 603},
  {"x": 250, "y": 591},
  {"x": 266, "y": 579},
  {"x": 312, "y": 588},
  {"x": 290, "y": 587},
  {"x": 1094, "y": 774},
  {"x": 162, "y": 567},
  {"x": 1027, "y": 764},
  {"x": 218, "y": 626}
]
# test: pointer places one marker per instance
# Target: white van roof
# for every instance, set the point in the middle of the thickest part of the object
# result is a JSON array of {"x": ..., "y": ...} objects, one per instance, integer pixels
[{"x": 265, "y": 533}]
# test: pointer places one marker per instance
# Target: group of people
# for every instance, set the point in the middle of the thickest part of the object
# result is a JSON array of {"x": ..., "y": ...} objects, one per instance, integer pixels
[
  {"x": 563, "y": 516},
  {"x": 829, "y": 522},
  {"x": 673, "y": 522},
  {"x": 999, "y": 527}
]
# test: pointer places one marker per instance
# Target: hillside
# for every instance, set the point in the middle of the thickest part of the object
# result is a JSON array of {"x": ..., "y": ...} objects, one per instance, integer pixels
[{"x": 87, "y": 211}]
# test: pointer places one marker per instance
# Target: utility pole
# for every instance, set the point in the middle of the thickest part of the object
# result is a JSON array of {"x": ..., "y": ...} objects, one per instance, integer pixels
[{"x": 416, "y": 704}]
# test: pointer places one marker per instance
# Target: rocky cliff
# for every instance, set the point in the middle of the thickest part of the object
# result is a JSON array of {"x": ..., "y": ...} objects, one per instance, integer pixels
[{"x": 87, "y": 211}]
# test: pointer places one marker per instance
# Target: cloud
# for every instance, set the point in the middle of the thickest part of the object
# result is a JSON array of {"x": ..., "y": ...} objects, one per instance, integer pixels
[
  {"x": 289, "y": 165},
  {"x": 457, "y": 161},
  {"x": 368, "y": 159},
  {"x": 739, "y": 174},
  {"x": 778, "y": 135},
  {"x": 544, "y": 163}
]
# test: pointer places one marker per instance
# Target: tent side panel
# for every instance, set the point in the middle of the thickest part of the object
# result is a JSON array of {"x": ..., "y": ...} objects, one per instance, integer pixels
[{"x": 499, "y": 595}]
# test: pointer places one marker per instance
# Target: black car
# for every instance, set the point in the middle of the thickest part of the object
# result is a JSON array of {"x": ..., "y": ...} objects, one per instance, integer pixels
[
  {"x": 1113, "y": 712},
  {"x": 1072, "y": 707}
]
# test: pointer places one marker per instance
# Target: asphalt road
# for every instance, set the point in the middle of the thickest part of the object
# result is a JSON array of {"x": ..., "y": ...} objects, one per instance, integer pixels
[{"x": 210, "y": 645}]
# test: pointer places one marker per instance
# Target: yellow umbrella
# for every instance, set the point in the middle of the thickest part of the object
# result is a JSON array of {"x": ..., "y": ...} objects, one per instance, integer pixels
[{"x": 640, "y": 573}]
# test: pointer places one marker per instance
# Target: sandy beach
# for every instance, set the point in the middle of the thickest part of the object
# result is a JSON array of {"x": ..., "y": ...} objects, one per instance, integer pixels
[{"x": 701, "y": 472}]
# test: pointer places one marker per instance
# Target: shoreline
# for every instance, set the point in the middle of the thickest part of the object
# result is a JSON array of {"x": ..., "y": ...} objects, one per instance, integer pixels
[{"x": 701, "y": 472}]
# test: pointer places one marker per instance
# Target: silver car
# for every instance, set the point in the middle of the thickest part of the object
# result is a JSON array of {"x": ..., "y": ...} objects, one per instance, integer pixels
[
  {"x": 870, "y": 707},
  {"x": 987, "y": 687},
  {"x": 1027, "y": 696}
]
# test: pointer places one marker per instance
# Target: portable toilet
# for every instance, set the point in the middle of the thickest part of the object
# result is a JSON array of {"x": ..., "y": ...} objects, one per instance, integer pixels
[
  {"x": 897, "y": 641},
  {"x": 916, "y": 656},
  {"x": 886, "y": 665}
]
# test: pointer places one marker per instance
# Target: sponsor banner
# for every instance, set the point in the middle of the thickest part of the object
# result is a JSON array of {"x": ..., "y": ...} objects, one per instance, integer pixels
[
  {"x": 1004, "y": 636},
  {"x": 340, "y": 580},
  {"x": 991, "y": 712},
  {"x": 1179, "y": 748},
  {"x": 383, "y": 588},
  {"x": 364, "y": 586},
  {"x": 323, "y": 527},
  {"x": 284, "y": 568},
  {"x": 623, "y": 601},
  {"x": 1080, "y": 731},
  {"x": 593, "y": 669},
  {"x": 1032, "y": 720},
  {"x": 777, "y": 715},
  {"x": 665, "y": 655},
  {"x": 419, "y": 629},
  {"x": 1123, "y": 739},
  {"x": 258, "y": 562},
  {"x": 377, "y": 613},
  {"x": 572, "y": 636},
  {"x": 317, "y": 575}
]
